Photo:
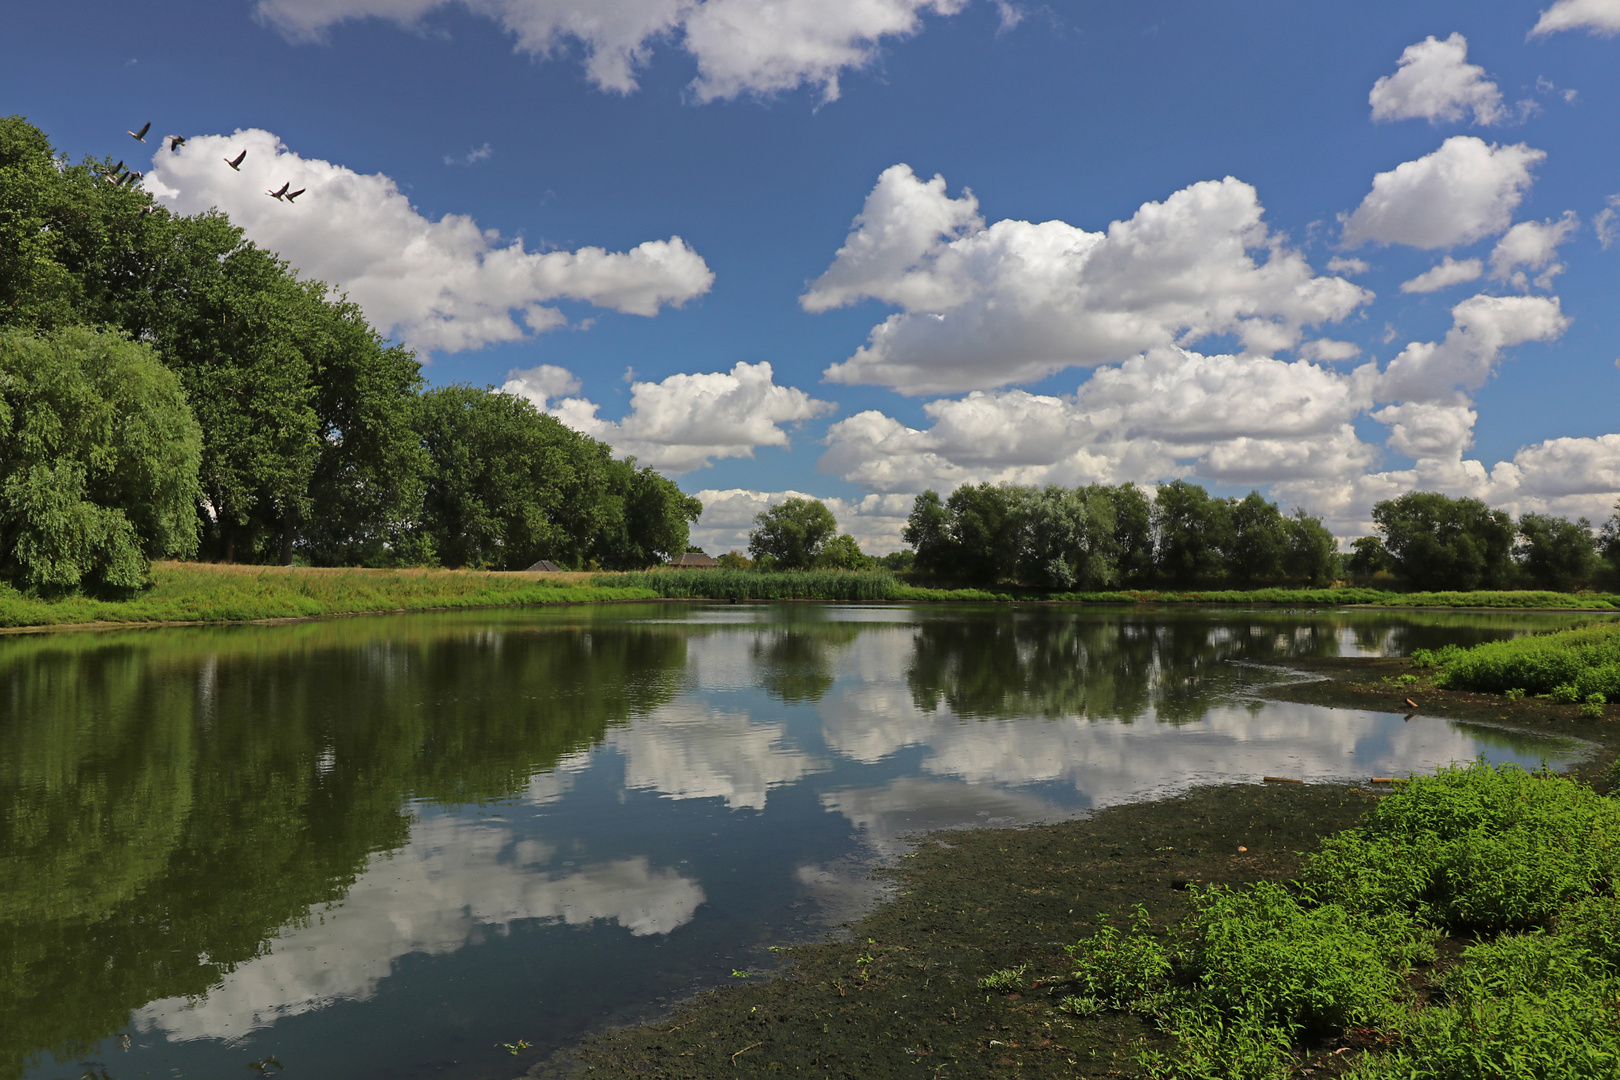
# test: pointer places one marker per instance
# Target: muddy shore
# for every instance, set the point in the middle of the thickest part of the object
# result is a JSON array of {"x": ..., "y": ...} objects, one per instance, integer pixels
[{"x": 899, "y": 996}]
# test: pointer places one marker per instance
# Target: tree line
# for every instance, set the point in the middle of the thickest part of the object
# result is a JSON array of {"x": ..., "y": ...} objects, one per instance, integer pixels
[
  {"x": 169, "y": 389},
  {"x": 1106, "y": 537}
]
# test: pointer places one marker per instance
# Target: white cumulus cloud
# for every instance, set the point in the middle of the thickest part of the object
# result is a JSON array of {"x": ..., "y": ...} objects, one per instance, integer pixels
[
  {"x": 1436, "y": 82},
  {"x": 1444, "y": 275},
  {"x": 1532, "y": 246},
  {"x": 1482, "y": 327},
  {"x": 875, "y": 521},
  {"x": 1166, "y": 412},
  {"x": 1462, "y": 192},
  {"x": 685, "y": 421},
  {"x": 1600, "y": 17},
  {"x": 985, "y": 305},
  {"x": 740, "y": 46},
  {"x": 445, "y": 284}
]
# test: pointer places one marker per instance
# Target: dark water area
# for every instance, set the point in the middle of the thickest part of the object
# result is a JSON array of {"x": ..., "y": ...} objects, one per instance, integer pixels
[{"x": 397, "y": 846}]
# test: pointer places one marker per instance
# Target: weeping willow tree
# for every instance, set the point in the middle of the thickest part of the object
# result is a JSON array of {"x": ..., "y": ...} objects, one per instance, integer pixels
[{"x": 99, "y": 453}]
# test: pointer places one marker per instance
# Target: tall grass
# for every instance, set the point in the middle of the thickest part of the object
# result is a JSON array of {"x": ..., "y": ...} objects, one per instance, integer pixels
[
  {"x": 1519, "y": 864},
  {"x": 1573, "y": 664}
]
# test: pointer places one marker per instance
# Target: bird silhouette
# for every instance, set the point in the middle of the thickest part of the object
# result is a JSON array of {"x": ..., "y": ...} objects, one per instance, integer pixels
[
  {"x": 118, "y": 168},
  {"x": 291, "y": 195},
  {"x": 175, "y": 142},
  {"x": 236, "y": 162},
  {"x": 279, "y": 192},
  {"x": 132, "y": 178},
  {"x": 140, "y": 136}
]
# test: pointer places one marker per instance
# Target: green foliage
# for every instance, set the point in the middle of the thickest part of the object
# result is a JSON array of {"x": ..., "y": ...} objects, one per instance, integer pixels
[
  {"x": 843, "y": 553},
  {"x": 1256, "y": 971},
  {"x": 1119, "y": 970},
  {"x": 1474, "y": 849},
  {"x": 1192, "y": 533},
  {"x": 202, "y": 592},
  {"x": 792, "y": 533},
  {"x": 1368, "y": 557},
  {"x": 1437, "y": 542},
  {"x": 1004, "y": 981},
  {"x": 98, "y": 460},
  {"x": 1555, "y": 553},
  {"x": 1569, "y": 664}
]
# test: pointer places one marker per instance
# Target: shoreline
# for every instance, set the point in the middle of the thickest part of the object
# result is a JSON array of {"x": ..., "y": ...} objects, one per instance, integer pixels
[
  {"x": 897, "y": 994},
  {"x": 208, "y": 594}
]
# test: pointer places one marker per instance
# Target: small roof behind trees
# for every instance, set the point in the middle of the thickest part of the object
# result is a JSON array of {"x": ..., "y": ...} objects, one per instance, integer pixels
[
  {"x": 694, "y": 560},
  {"x": 544, "y": 566}
]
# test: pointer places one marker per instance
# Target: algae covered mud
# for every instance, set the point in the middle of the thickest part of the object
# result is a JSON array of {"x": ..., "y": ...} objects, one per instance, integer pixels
[{"x": 449, "y": 844}]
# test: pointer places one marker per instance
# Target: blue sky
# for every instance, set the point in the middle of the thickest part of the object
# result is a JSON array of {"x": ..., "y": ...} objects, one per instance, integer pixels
[{"x": 624, "y": 208}]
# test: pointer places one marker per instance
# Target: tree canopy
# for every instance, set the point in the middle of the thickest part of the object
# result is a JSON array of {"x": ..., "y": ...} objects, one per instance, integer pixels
[
  {"x": 317, "y": 442},
  {"x": 98, "y": 459},
  {"x": 792, "y": 533}
]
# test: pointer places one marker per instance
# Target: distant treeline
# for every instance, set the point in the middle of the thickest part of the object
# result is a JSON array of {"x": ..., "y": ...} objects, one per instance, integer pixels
[
  {"x": 167, "y": 388},
  {"x": 1101, "y": 537}
]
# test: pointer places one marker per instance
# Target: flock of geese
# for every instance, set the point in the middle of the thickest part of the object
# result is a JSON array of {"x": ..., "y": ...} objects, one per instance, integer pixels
[{"x": 118, "y": 176}]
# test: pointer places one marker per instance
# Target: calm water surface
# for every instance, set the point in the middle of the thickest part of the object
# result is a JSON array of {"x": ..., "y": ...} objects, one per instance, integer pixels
[{"x": 384, "y": 847}]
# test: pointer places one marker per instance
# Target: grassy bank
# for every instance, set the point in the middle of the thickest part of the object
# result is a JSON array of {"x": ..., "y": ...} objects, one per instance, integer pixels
[
  {"x": 207, "y": 592},
  {"x": 204, "y": 592},
  {"x": 1582, "y": 665}
]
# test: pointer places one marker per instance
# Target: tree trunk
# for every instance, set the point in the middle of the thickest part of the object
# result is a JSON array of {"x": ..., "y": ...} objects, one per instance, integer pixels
[{"x": 230, "y": 542}]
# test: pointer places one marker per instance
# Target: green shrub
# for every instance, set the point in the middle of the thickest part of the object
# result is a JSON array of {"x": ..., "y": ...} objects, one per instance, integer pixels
[
  {"x": 1474, "y": 848},
  {"x": 1565, "y": 694},
  {"x": 1586, "y": 660},
  {"x": 1297, "y": 965},
  {"x": 1119, "y": 971}
]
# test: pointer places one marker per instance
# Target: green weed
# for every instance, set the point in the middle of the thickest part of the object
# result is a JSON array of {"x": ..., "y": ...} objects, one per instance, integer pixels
[{"x": 1004, "y": 981}]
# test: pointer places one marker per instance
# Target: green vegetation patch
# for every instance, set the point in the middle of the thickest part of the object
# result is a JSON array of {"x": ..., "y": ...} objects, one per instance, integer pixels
[
  {"x": 1570, "y": 665},
  {"x": 192, "y": 592},
  {"x": 1515, "y": 868}
]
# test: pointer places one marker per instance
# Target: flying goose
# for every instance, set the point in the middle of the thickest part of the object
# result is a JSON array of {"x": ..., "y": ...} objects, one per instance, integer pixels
[
  {"x": 175, "y": 142},
  {"x": 140, "y": 136},
  {"x": 279, "y": 192},
  {"x": 236, "y": 162},
  {"x": 291, "y": 195}
]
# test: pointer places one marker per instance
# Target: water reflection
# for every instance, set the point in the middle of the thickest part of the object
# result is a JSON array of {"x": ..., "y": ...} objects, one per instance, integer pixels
[{"x": 217, "y": 838}]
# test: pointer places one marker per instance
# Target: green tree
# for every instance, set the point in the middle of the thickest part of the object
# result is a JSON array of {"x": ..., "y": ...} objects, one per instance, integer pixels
[
  {"x": 1312, "y": 554},
  {"x": 651, "y": 523},
  {"x": 1258, "y": 543},
  {"x": 1192, "y": 533},
  {"x": 506, "y": 484},
  {"x": 1132, "y": 550},
  {"x": 1368, "y": 557},
  {"x": 927, "y": 532},
  {"x": 98, "y": 459},
  {"x": 304, "y": 409},
  {"x": 792, "y": 533},
  {"x": 1068, "y": 539},
  {"x": 986, "y": 526},
  {"x": 843, "y": 553},
  {"x": 1437, "y": 542},
  {"x": 1556, "y": 553}
]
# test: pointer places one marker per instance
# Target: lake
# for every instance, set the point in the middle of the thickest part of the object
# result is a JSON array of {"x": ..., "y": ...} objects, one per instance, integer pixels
[{"x": 405, "y": 846}]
